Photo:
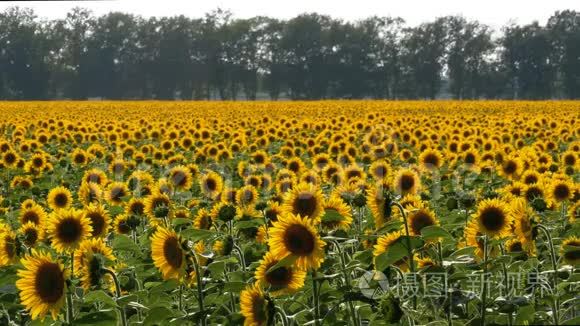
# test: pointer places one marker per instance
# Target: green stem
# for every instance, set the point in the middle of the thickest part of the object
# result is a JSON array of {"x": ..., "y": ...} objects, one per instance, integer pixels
[
  {"x": 409, "y": 248},
  {"x": 506, "y": 282},
  {"x": 282, "y": 316},
  {"x": 180, "y": 305},
  {"x": 69, "y": 307},
  {"x": 484, "y": 292},
  {"x": 555, "y": 267},
  {"x": 117, "y": 294},
  {"x": 315, "y": 295},
  {"x": 347, "y": 282},
  {"x": 199, "y": 288}
]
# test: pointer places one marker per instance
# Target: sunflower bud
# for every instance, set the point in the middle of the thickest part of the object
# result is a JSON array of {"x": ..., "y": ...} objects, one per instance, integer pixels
[{"x": 227, "y": 213}]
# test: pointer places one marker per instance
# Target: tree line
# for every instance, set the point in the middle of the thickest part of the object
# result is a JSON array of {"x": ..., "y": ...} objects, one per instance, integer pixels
[{"x": 311, "y": 56}]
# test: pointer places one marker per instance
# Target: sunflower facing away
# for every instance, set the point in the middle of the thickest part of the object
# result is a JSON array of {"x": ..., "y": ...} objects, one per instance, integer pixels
[
  {"x": 255, "y": 306},
  {"x": 42, "y": 285},
  {"x": 168, "y": 254},
  {"x": 295, "y": 235},
  {"x": 89, "y": 259},
  {"x": 384, "y": 243},
  {"x": 282, "y": 280},
  {"x": 67, "y": 228}
]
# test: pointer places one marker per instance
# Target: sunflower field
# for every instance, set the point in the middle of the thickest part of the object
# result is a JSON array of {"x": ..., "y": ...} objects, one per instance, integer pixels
[{"x": 289, "y": 213}]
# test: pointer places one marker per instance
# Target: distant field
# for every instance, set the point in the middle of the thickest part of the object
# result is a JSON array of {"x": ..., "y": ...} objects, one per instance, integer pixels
[{"x": 289, "y": 213}]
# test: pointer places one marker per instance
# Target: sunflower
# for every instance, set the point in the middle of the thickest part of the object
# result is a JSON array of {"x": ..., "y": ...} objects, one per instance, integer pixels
[
  {"x": 121, "y": 224},
  {"x": 116, "y": 193},
  {"x": 180, "y": 177},
  {"x": 511, "y": 167},
  {"x": 419, "y": 217},
  {"x": 135, "y": 206},
  {"x": 379, "y": 170},
  {"x": 92, "y": 255},
  {"x": 406, "y": 182},
  {"x": 168, "y": 253},
  {"x": 473, "y": 238},
  {"x": 202, "y": 219},
  {"x": 9, "y": 248},
  {"x": 35, "y": 214},
  {"x": 570, "y": 250},
  {"x": 246, "y": 196},
  {"x": 67, "y": 228},
  {"x": 524, "y": 222},
  {"x": 42, "y": 285},
  {"x": 282, "y": 280},
  {"x": 384, "y": 243},
  {"x": 430, "y": 160},
  {"x": 228, "y": 195},
  {"x": 59, "y": 198},
  {"x": 10, "y": 159},
  {"x": 560, "y": 190},
  {"x": 90, "y": 193},
  {"x": 272, "y": 211},
  {"x": 157, "y": 205},
  {"x": 255, "y": 306},
  {"x": 493, "y": 218},
  {"x": 211, "y": 184},
  {"x": 295, "y": 235},
  {"x": 31, "y": 234},
  {"x": 530, "y": 177},
  {"x": 574, "y": 212},
  {"x": 379, "y": 204},
  {"x": 100, "y": 219},
  {"x": 304, "y": 200},
  {"x": 96, "y": 176},
  {"x": 337, "y": 214}
]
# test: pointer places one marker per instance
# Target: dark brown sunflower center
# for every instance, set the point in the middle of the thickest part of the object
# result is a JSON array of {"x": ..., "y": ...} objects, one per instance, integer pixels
[
  {"x": 510, "y": 167},
  {"x": 431, "y": 159},
  {"x": 49, "y": 282},
  {"x": 531, "y": 179},
  {"x": 210, "y": 184},
  {"x": 407, "y": 182},
  {"x": 37, "y": 162},
  {"x": 97, "y": 222},
  {"x": 280, "y": 277},
  {"x": 380, "y": 171},
  {"x": 569, "y": 160},
  {"x": 305, "y": 204},
  {"x": 259, "y": 310},
  {"x": 9, "y": 158},
  {"x": 353, "y": 174},
  {"x": 299, "y": 240},
  {"x": 561, "y": 192},
  {"x": 61, "y": 200},
  {"x": 470, "y": 158},
  {"x": 137, "y": 208},
  {"x": 516, "y": 247},
  {"x": 93, "y": 177},
  {"x": 117, "y": 193},
  {"x": 533, "y": 193},
  {"x": 30, "y": 237},
  {"x": 420, "y": 220},
  {"x": 69, "y": 230},
  {"x": 493, "y": 218},
  {"x": 172, "y": 252},
  {"x": 259, "y": 159},
  {"x": 30, "y": 216},
  {"x": 179, "y": 178}
]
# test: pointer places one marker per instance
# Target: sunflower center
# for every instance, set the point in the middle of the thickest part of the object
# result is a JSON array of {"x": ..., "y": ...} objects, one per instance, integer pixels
[
  {"x": 299, "y": 240},
  {"x": 420, "y": 220},
  {"x": 9, "y": 158},
  {"x": 30, "y": 216},
  {"x": 533, "y": 193},
  {"x": 69, "y": 230},
  {"x": 305, "y": 204},
  {"x": 380, "y": 171},
  {"x": 210, "y": 184},
  {"x": 30, "y": 237},
  {"x": 407, "y": 182},
  {"x": 280, "y": 277},
  {"x": 516, "y": 247},
  {"x": 172, "y": 252},
  {"x": 117, "y": 193},
  {"x": 530, "y": 179},
  {"x": 49, "y": 282},
  {"x": 137, "y": 208},
  {"x": 61, "y": 200},
  {"x": 259, "y": 310},
  {"x": 179, "y": 178},
  {"x": 561, "y": 192},
  {"x": 93, "y": 177},
  {"x": 510, "y": 167},
  {"x": 493, "y": 218},
  {"x": 37, "y": 162},
  {"x": 97, "y": 222},
  {"x": 469, "y": 158},
  {"x": 431, "y": 159}
]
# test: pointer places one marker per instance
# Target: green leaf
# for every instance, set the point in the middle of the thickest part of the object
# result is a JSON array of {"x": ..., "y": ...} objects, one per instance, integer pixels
[
  {"x": 157, "y": 316},
  {"x": 180, "y": 221},
  {"x": 116, "y": 210},
  {"x": 435, "y": 231},
  {"x": 197, "y": 234},
  {"x": 100, "y": 296},
  {"x": 103, "y": 317},
  {"x": 235, "y": 287},
  {"x": 573, "y": 321},
  {"x": 525, "y": 315},
  {"x": 393, "y": 254},
  {"x": 124, "y": 243},
  {"x": 286, "y": 261},
  {"x": 331, "y": 215},
  {"x": 217, "y": 268},
  {"x": 124, "y": 300},
  {"x": 249, "y": 224}
]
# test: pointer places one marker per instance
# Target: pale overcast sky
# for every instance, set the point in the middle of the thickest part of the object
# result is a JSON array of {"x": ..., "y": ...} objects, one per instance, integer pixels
[{"x": 492, "y": 12}]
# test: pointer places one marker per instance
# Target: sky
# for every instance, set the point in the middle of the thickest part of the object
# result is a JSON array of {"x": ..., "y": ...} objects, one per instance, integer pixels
[{"x": 495, "y": 13}]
